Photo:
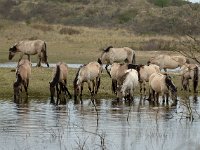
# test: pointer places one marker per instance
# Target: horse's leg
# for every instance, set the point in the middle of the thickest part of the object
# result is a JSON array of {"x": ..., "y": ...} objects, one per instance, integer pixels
[
  {"x": 25, "y": 87},
  {"x": 165, "y": 69},
  {"x": 21, "y": 56},
  {"x": 39, "y": 60},
  {"x": 107, "y": 70},
  {"x": 66, "y": 89},
  {"x": 141, "y": 87},
  {"x": 81, "y": 93},
  {"x": 58, "y": 93},
  {"x": 144, "y": 88}
]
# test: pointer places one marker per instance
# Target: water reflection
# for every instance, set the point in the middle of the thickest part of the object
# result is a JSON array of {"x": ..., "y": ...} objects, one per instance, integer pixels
[{"x": 37, "y": 124}]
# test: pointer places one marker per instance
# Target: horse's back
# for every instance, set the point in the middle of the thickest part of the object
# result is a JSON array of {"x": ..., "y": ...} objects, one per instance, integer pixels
[
  {"x": 156, "y": 81},
  {"x": 24, "y": 70}
]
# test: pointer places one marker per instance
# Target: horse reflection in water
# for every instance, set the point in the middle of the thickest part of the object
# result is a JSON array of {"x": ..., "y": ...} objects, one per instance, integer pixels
[
  {"x": 190, "y": 71},
  {"x": 60, "y": 73},
  {"x": 87, "y": 73},
  {"x": 162, "y": 84},
  {"x": 23, "y": 72}
]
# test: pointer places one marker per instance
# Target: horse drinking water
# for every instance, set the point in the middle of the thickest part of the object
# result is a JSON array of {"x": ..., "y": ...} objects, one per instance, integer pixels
[
  {"x": 111, "y": 55},
  {"x": 30, "y": 47},
  {"x": 23, "y": 72},
  {"x": 60, "y": 73},
  {"x": 87, "y": 73}
]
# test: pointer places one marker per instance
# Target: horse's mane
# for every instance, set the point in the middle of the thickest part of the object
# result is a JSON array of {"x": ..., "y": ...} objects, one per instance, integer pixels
[
  {"x": 107, "y": 49},
  {"x": 19, "y": 79},
  {"x": 56, "y": 76},
  {"x": 76, "y": 77}
]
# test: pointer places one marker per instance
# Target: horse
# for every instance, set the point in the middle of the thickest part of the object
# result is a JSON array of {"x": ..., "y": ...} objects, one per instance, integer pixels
[
  {"x": 190, "y": 71},
  {"x": 129, "y": 84},
  {"x": 111, "y": 55},
  {"x": 144, "y": 72},
  {"x": 90, "y": 72},
  {"x": 117, "y": 71},
  {"x": 30, "y": 47},
  {"x": 23, "y": 72},
  {"x": 60, "y": 73},
  {"x": 162, "y": 84},
  {"x": 168, "y": 62}
]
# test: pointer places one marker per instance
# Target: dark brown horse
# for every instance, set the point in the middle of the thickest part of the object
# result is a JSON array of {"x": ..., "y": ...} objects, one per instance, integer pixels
[
  {"x": 30, "y": 47},
  {"x": 60, "y": 74}
]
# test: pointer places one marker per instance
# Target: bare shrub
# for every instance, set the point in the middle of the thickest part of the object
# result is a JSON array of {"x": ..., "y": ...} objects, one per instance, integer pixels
[{"x": 69, "y": 31}]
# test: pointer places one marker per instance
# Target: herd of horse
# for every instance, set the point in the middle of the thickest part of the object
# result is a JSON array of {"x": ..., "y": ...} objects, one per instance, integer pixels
[{"x": 125, "y": 74}]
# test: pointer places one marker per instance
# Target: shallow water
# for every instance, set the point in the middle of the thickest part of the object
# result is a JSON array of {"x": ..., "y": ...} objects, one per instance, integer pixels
[{"x": 40, "y": 125}]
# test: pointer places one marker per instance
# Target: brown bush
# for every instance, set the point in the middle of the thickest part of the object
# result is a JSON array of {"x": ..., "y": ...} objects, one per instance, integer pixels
[{"x": 69, "y": 31}]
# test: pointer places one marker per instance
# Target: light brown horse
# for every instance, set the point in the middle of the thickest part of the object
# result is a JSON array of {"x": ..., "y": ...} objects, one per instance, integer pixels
[
  {"x": 23, "y": 73},
  {"x": 90, "y": 72},
  {"x": 168, "y": 62},
  {"x": 190, "y": 71},
  {"x": 144, "y": 72},
  {"x": 117, "y": 73},
  {"x": 60, "y": 74},
  {"x": 129, "y": 84},
  {"x": 30, "y": 47},
  {"x": 162, "y": 84},
  {"x": 111, "y": 55}
]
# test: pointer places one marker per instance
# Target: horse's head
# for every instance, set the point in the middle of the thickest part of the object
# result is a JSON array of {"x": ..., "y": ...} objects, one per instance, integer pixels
[
  {"x": 12, "y": 52},
  {"x": 17, "y": 91},
  {"x": 171, "y": 87}
]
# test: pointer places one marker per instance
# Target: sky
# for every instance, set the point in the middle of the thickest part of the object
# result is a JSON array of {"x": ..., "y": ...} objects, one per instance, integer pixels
[{"x": 194, "y": 1}]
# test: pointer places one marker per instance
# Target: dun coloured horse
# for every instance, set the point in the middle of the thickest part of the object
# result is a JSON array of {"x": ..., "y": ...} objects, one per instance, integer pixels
[
  {"x": 162, "y": 84},
  {"x": 144, "y": 72},
  {"x": 111, "y": 55},
  {"x": 129, "y": 84},
  {"x": 23, "y": 72},
  {"x": 189, "y": 71},
  {"x": 168, "y": 62},
  {"x": 30, "y": 47},
  {"x": 60, "y": 73},
  {"x": 87, "y": 73},
  {"x": 117, "y": 73}
]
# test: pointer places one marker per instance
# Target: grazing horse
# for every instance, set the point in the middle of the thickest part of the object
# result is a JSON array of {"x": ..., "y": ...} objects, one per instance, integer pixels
[
  {"x": 60, "y": 73},
  {"x": 144, "y": 72},
  {"x": 87, "y": 73},
  {"x": 30, "y": 47},
  {"x": 129, "y": 84},
  {"x": 111, "y": 55},
  {"x": 117, "y": 73},
  {"x": 162, "y": 84},
  {"x": 190, "y": 71},
  {"x": 168, "y": 62},
  {"x": 23, "y": 72}
]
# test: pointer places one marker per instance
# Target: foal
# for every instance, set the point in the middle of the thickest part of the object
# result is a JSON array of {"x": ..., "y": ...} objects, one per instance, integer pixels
[
  {"x": 87, "y": 73},
  {"x": 59, "y": 78},
  {"x": 23, "y": 72}
]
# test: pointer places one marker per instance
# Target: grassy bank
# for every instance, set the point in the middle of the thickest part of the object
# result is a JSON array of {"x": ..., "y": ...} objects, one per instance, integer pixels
[{"x": 39, "y": 83}]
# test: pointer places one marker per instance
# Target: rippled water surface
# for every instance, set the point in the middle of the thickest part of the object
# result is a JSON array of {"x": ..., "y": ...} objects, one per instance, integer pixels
[{"x": 118, "y": 126}]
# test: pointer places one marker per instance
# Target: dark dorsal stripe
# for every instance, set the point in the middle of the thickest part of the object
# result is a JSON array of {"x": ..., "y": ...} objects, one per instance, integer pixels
[{"x": 107, "y": 49}]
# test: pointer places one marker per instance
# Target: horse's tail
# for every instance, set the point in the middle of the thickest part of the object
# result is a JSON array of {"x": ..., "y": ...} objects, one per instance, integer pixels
[
  {"x": 57, "y": 76},
  {"x": 107, "y": 49},
  {"x": 98, "y": 84},
  {"x": 114, "y": 86},
  {"x": 196, "y": 78},
  {"x": 133, "y": 58},
  {"x": 45, "y": 54}
]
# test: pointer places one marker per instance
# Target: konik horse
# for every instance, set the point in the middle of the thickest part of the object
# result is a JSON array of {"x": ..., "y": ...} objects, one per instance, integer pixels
[
  {"x": 87, "y": 73},
  {"x": 111, "y": 55},
  {"x": 23, "y": 72},
  {"x": 30, "y": 47},
  {"x": 168, "y": 62},
  {"x": 60, "y": 73}
]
